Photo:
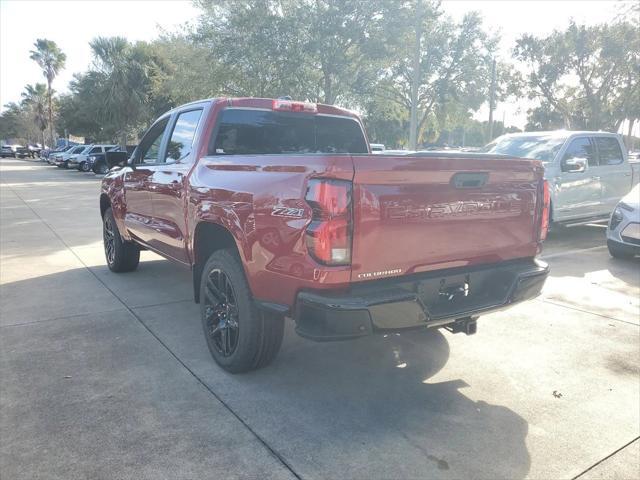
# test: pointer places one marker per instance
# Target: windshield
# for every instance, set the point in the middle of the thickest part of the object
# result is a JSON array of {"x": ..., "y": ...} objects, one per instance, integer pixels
[
  {"x": 78, "y": 149},
  {"x": 537, "y": 147}
]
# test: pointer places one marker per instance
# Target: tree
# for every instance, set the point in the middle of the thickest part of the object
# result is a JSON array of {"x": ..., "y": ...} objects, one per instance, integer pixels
[
  {"x": 34, "y": 98},
  {"x": 320, "y": 50},
  {"x": 126, "y": 79},
  {"x": 439, "y": 64},
  {"x": 589, "y": 75},
  {"x": 51, "y": 60}
]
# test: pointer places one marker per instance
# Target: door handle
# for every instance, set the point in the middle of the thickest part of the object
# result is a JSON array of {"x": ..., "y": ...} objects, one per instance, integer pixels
[{"x": 595, "y": 178}]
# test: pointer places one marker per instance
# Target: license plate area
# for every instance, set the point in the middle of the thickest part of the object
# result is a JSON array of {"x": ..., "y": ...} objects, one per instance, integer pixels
[{"x": 456, "y": 294}]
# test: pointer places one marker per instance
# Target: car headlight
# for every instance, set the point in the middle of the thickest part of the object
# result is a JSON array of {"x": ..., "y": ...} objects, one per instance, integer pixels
[{"x": 616, "y": 218}]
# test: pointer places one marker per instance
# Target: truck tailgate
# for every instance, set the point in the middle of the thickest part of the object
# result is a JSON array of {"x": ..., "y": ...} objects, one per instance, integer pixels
[{"x": 415, "y": 214}]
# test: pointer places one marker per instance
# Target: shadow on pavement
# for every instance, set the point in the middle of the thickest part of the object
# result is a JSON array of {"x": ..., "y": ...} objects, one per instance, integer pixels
[
  {"x": 362, "y": 409},
  {"x": 378, "y": 407}
]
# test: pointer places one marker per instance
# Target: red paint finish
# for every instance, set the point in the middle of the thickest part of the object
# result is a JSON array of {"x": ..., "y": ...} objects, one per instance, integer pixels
[{"x": 408, "y": 216}]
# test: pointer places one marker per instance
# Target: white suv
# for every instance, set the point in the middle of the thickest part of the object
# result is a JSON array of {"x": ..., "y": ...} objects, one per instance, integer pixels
[{"x": 80, "y": 160}]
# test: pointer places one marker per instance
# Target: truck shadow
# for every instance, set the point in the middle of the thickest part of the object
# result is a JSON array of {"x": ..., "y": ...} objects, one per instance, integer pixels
[{"x": 372, "y": 405}]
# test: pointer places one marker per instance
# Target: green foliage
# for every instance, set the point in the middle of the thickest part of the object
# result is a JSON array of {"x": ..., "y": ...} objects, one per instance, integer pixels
[
  {"x": 51, "y": 60},
  {"x": 415, "y": 74},
  {"x": 440, "y": 67},
  {"x": 34, "y": 100},
  {"x": 588, "y": 75}
]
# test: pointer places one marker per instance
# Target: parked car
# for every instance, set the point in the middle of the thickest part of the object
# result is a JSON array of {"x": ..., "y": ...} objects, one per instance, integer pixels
[
  {"x": 32, "y": 150},
  {"x": 9, "y": 151},
  {"x": 376, "y": 147},
  {"x": 280, "y": 209},
  {"x": 97, "y": 164},
  {"x": 623, "y": 230},
  {"x": 61, "y": 160},
  {"x": 398, "y": 152},
  {"x": 52, "y": 154},
  {"x": 588, "y": 172},
  {"x": 81, "y": 161}
]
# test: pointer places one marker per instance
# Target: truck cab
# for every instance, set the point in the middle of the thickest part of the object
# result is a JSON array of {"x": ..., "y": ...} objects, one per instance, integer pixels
[{"x": 588, "y": 172}]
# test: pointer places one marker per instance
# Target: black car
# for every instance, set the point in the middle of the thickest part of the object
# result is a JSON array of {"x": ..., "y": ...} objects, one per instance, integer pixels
[
  {"x": 32, "y": 150},
  {"x": 97, "y": 162}
]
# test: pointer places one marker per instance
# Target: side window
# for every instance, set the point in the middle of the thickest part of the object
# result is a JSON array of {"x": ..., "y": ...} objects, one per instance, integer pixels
[
  {"x": 581, "y": 148},
  {"x": 96, "y": 150},
  {"x": 184, "y": 131},
  {"x": 609, "y": 151},
  {"x": 149, "y": 152}
]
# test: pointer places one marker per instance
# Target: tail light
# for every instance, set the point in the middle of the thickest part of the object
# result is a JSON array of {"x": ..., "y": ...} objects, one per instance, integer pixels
[
  {"x": 328, "y": 236},
  {"x": 546, "y": 206},
  {"x": 291, "y": 106}
]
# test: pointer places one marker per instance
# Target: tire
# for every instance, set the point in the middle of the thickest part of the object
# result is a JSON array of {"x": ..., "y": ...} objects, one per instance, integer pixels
[
  {"x": 619, "y": 251},
  {"x": 83, "y": 167},
  {"x": 100, "y": 168},
  {"x": 121, "y": 256},
  {"x": 239, "y": 336}
]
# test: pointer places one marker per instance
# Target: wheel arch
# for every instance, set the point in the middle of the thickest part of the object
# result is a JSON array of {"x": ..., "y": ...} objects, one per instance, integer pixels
[
  {"x": 105, "y": 203},
  {"x": 209, "y": 237}
]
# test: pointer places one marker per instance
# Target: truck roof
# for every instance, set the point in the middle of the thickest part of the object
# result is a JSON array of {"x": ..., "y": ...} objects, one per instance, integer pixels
[
  {"x": 257, "y": 102},
  {"x": 560, "y": 133}
]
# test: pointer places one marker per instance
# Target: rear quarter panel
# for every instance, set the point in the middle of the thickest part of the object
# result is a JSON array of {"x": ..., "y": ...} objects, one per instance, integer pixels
[{"x": 260, "y": 200}]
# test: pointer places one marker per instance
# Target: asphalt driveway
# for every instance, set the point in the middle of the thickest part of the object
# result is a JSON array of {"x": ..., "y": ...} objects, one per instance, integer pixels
[{"x": 108, "y": 376}]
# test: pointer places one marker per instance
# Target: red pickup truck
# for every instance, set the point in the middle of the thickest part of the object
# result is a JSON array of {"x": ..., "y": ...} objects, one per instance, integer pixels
[{"x": 280, "y": 210}]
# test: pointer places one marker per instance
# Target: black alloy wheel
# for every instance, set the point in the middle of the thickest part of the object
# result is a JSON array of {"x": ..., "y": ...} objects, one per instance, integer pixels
[
  {"x": 221, "y": 313},
  {"x": 108, "y": 236}
]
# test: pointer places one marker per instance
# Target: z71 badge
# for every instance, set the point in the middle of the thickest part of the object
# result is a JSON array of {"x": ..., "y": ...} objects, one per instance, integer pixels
[{"x": 287, "y": 212}]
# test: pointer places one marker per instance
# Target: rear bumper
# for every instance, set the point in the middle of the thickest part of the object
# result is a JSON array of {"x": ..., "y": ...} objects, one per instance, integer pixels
[{"x": 433, "y": 299}]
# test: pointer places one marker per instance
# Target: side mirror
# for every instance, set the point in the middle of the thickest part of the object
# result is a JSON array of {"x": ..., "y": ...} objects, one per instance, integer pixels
[
  {"x": 116, "y": 159},
  {"x": 574, "y": 165}
]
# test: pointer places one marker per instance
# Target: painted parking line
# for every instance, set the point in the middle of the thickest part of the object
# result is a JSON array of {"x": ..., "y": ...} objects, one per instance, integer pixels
[{"x": 572, "y": 252}]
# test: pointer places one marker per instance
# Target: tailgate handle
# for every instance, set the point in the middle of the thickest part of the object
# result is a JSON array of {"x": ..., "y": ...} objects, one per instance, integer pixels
[{"x": 470, "y": 179}]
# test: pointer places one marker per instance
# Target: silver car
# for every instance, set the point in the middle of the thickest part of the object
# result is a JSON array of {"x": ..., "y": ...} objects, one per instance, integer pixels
[
  {"x": 588, "y": 172},
  {"x": 623, "y": 231}
]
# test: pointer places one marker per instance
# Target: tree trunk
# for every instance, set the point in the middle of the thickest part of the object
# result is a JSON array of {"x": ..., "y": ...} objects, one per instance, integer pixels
[
  {"x": 50, "y": 114},
  {"x": 492, "y": 98},
  {"x": 630, "y": 139},
  {"x": 328, "y": 87},
  {"x": 415, "y": 84}
]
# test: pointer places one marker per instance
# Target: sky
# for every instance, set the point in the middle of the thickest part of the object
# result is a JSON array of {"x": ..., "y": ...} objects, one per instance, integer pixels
[{"x": 72, "y": 24}]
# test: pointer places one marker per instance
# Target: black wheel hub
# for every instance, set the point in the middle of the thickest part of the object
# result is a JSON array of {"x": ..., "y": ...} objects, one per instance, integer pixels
[
  {"x": 221, "y": 313},
  {"x": 108, "y": 236}
]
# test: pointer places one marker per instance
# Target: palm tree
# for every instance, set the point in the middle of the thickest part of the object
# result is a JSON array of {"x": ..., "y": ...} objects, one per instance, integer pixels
[
  {"x": 34, "y": 98},
  {"x": 51, "y": 60},
  {"x": 124, "y": 71}
]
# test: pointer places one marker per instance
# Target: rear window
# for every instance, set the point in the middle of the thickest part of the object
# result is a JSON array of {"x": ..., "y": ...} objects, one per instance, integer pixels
[
  {"x": 251, "y": 132},
  {"x": 609, "y": 150}
]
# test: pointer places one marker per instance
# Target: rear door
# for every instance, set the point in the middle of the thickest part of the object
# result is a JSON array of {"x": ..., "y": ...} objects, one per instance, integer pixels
[
  {"x": 139, "y": 216},
  {"x": 415, "y": 214},
  {"x": 167, "y": 185},
  {"x": 613, "y": 172}
]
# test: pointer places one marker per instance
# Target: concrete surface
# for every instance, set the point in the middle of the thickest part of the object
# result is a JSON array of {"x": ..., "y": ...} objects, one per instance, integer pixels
[{"x": 108, "y": 376}]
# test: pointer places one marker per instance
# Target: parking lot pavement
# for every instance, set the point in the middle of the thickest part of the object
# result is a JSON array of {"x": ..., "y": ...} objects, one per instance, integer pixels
[{"x": 105, "y": 375}]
